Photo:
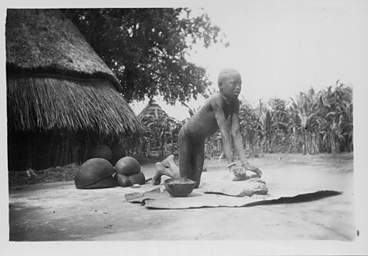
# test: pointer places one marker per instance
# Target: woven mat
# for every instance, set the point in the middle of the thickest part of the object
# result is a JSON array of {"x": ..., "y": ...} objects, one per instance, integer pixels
[{"x": 218, "y": 190}]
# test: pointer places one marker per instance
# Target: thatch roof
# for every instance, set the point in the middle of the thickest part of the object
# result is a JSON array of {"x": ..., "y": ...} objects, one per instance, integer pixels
[
  {"x": 152, "y": 109},
  {"x": 56, "y": 80},
  {"x": 47, "y": 103},
  {"x": 43, "y": 41}
]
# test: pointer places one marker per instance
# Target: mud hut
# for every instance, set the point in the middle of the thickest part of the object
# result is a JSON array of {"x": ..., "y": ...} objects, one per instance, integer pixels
[{"x": 62, "y": 99}]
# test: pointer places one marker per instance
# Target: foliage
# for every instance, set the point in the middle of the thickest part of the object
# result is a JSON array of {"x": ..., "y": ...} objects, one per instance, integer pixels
[
  {"x": 337, "y": 127},
  {"x": 147, "y": 48},
  {"x": 250, "y": 124},
  {"x": 312, "y": 122}
]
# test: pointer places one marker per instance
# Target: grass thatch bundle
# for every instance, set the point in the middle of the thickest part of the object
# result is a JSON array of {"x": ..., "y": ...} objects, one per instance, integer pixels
[
  {"x": 152, "y": 109},
  {"x": 48, "y": 103}
]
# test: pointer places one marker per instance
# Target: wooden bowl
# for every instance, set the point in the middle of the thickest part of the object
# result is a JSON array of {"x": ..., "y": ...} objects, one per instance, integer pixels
[{"x": 179, "y": 187}]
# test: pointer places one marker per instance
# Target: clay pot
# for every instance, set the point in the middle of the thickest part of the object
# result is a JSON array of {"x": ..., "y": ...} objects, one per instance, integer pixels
[
  {"x": 95, "y": 173},
  {"x": 137, "y": 178},
  {"x": 179, "y": 187},
  {"x": 127, "y": 166},
  {"x": 122, "y": 180}
]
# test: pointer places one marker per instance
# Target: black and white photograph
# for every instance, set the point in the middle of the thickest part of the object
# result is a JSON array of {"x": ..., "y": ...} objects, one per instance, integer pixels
[{"x": 215, "y": 122}]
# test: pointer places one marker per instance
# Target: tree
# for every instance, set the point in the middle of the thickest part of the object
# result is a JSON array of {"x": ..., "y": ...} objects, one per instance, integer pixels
[{"x": 147, "y": 49}]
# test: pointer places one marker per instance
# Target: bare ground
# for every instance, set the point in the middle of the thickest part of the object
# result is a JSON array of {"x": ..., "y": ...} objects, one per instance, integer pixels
[{"x": 58, "y": 211}]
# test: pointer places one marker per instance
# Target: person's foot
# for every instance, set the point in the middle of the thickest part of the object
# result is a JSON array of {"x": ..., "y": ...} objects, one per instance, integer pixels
[
  {"x": 156, "y": 179},
  {"x": 168, "y": 161},
  {"x": 159, "y": 166},
  {"x": 161, "y": 170}
]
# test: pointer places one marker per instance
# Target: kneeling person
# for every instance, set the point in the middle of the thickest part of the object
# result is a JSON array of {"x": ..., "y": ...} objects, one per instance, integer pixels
[{"x": 220, "y": 112}]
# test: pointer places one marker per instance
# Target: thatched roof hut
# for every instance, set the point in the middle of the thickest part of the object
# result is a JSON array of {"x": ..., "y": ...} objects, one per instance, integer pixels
[
  {"x": 152, "y": 110},
  {"x": 59, "y": 91},
  {"x": 161, "y": 130}
]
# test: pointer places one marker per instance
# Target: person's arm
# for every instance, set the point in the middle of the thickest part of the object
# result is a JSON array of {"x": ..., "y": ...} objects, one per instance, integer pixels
[
  {"x": 224, "y": 129},
  {"x": 237, "y": 138},
  {"x": 238, "y": 143}
]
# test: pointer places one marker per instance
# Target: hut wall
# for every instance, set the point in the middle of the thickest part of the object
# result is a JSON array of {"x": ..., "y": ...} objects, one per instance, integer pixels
[
  {"x": 41, "y": 150},
  {"x": 38, "y": 150}
]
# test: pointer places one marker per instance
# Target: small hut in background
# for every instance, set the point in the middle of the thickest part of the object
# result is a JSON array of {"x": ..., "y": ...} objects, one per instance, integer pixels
[
  {"x": 161, "y": 131},
  {"x": 62, "y": 99}
]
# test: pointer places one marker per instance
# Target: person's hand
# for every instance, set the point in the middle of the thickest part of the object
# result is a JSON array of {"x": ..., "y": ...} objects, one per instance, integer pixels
[
  {"x": 241, "y": 173},
  {"x": 238, "y": 172},
  {"x": 252, "y": 168}
]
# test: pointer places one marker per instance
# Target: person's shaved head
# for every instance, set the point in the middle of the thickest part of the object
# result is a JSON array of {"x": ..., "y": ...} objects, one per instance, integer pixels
[{"x": 226, "y": 73}]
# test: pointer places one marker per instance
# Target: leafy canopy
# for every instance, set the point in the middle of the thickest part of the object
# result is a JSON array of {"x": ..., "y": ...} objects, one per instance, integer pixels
[{"x": 147, "y": 49}]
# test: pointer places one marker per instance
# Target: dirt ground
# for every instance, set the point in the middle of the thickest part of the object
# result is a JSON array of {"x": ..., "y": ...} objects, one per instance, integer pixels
[{"x": 58, "y": 211}]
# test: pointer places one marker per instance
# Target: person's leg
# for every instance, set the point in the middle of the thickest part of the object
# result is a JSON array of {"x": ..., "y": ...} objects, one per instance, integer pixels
[
  {"x": 185, "y": 147},
  {"x": 190, "y": 161},
  {"x": 197, "y": 160}
]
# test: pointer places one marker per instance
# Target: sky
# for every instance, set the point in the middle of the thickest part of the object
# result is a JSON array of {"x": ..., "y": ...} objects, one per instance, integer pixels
[{"x": 284, "y": 47}]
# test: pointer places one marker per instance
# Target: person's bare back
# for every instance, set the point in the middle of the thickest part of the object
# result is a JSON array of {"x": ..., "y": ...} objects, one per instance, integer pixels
[{"x": 204, "y": 123}]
